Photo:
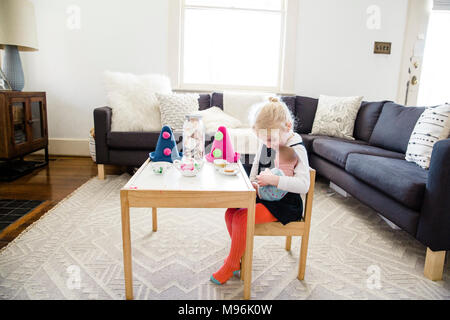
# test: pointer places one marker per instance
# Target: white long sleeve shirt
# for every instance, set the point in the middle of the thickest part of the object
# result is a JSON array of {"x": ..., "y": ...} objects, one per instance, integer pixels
[{"x": 299, "y": 182}]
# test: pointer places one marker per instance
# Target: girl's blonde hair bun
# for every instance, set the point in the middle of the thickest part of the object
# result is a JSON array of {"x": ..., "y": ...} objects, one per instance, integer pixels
[{"x": 273, "y": 114}]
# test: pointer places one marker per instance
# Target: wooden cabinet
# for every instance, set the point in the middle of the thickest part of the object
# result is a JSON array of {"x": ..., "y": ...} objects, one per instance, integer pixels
[{"x": 23, "y": 124}]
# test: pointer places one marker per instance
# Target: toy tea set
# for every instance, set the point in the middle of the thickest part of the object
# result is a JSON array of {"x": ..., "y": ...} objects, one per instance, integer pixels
[{"x": 191, "y": 160}]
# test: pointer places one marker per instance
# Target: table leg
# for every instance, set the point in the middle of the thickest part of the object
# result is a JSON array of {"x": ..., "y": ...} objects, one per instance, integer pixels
[
  {"x": 155, "y": 219},
  {"x": 248, "y": 255},
  {"x": 126, "y": 238}
]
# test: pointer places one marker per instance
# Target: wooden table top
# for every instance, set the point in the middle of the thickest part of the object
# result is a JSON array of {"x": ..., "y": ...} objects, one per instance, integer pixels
[{"x": 208, "y": 179}]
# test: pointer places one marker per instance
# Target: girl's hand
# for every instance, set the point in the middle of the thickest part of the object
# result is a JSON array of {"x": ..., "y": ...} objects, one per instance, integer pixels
[
  {"x": 267, "y": 179},
  {"x": 255, "y": 185}
]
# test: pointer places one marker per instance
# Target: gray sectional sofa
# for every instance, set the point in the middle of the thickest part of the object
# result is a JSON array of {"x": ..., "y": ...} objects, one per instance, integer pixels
[{"x": 372, "y": 168}]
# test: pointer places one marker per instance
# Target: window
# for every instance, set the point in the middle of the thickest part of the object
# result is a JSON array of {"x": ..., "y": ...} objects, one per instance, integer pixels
[
  {"x": 434, "y": 87},
  {"x": 232, "y": 44}
]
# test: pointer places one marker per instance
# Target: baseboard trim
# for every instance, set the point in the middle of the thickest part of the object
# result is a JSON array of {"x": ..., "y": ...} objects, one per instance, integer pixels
[{"x": 67, "y": 147}]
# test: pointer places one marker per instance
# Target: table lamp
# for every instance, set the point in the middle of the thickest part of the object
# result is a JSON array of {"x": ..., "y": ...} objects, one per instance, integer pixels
[{"x": 17, "y": 33}]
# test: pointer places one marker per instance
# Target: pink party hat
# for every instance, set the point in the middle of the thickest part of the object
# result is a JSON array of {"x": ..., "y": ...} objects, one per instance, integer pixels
[{"x": 222, "y": 147}]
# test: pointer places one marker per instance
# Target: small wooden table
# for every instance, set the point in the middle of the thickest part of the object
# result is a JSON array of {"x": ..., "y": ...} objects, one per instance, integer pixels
[{"x": 209, "y": 189}]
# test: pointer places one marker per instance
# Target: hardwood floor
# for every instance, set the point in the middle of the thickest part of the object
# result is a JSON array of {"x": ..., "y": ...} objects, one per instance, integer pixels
[{"x": 53, "y": 183}]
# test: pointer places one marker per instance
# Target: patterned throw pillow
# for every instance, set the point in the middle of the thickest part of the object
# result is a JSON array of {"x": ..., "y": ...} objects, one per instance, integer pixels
[
  {"x": 336, "y": 116},
  {"x": 432, "y": 126},
  {"x": 174, "y": 107}
]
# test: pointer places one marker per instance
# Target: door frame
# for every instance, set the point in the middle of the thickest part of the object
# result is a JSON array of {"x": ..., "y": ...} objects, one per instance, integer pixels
[{"x": 418, "y": 16}]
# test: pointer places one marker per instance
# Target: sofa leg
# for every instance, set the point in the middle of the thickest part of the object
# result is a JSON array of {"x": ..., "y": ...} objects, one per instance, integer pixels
[
  {"x": 434, "y": 264},
  {"x": 101, "y": 171}
]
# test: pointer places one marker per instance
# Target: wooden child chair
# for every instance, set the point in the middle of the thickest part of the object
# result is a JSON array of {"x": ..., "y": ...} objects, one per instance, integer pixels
[{"x": 300, "y": 228}]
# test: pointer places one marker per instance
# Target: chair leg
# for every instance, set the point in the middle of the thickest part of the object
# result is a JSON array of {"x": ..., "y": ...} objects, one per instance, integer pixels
[
  {"x": 434, "y": 265},
  {"x": 302, "y": 259},
  {"x": 101, "y": 171},
  {"x": 288, "y": 243}
]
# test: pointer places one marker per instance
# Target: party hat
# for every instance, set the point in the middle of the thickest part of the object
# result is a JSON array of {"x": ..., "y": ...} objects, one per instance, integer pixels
[
  {"x": 222, "y": 147},
  {"x": 166, "y": 148}
]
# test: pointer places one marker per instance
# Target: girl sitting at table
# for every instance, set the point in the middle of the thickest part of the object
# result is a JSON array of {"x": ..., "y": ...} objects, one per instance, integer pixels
[{"x": 273, "y": 124}]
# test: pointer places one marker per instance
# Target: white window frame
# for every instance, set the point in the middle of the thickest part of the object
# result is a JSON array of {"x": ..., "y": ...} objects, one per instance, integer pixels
[{"x": 287, "y": 63}]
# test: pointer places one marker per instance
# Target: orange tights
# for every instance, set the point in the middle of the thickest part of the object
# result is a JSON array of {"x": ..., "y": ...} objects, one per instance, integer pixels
[{"x": 236, "y": 220}]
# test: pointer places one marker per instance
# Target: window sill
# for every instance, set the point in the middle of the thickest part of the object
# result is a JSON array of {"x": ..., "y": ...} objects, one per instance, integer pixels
[{"x": 201, "y": 89}]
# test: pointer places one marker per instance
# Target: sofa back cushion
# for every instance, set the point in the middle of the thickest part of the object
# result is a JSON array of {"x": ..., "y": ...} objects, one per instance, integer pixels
[
  {"x": 394, "y": 126},
  {"x": 204, "y": 101},
  {"x": 217, "y": 100},
  {"x": 366, "y": 119},
  {"x": 305, "y": 112},
  {"x": 290, "y": 103}
]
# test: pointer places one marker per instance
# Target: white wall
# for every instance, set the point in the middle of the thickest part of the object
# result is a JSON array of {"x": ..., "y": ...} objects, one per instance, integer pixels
[
  {"x": 334, "y": 53},
  {"x": 119, "y": 35},
  {"x": 335, "y": 48}
]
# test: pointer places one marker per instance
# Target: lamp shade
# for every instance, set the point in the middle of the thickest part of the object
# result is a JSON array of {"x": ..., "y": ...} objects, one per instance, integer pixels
[{"x": 18, "y": 25}]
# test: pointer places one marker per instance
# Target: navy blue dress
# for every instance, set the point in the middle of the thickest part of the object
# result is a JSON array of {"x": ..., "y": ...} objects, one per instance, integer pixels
[{"x": 290, "y": 207}]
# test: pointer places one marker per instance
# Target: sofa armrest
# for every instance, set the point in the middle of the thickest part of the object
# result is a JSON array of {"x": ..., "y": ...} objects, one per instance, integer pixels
[
  {"x": 434, "y": 222},
  {"x": 102, "y": 125}
]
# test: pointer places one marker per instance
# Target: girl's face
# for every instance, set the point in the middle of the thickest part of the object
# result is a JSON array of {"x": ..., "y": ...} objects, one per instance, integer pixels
[{"x": 275, "y": 137}]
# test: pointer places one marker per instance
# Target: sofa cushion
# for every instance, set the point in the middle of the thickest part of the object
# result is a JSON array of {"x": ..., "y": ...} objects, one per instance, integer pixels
[
  {"x": 308, "y": 140},
  {"x": 337, "y": 151},
  {"x": 366, "y": 119},
  {"x": 135, "y": 140},
  {"x": 394, "y": 127},
  {"x": 402, "y": 216},
  {"x": 305, "y": 113},
  {"x": 399, "y": 179},
  {"x": 204, "y": 102},
  {"x": 290, "y": 103},
  {"x": 217, "y": 100},
  {"x": 143, "y": 140}
]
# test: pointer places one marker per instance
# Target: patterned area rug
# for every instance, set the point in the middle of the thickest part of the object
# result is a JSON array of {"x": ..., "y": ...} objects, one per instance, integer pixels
[{"x": 75, "y": 252}]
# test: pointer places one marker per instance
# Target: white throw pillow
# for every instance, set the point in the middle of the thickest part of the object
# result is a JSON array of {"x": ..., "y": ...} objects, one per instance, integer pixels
[
  {"x": 336, "y": 116},
  {"x": 214, "y": 117},
  {"x": 432, "y": 126},
  {"x": 174, "y": 108},
  {"x": 133, "y": 101},
  {"x": 239, "y": 104}
]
